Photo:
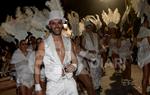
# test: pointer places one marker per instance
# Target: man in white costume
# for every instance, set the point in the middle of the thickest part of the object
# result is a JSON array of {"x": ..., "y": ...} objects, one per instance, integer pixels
[
  {"x": 90, "y": 44},
  {"x": 32, "y": 61},
  {"x": 83, "y": 77},
  {"x": 59, "y": 60}
]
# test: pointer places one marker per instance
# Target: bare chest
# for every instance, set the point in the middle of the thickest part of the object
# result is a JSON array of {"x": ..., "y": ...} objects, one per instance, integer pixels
[{"x": 60, "y": 49}]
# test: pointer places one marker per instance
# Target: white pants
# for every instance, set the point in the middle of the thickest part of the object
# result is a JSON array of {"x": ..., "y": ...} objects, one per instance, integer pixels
[{"x": 65, "y": 86}]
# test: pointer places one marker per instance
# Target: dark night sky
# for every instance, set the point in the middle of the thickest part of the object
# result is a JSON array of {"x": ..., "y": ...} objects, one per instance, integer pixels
[{"x": 83, "y": 7}]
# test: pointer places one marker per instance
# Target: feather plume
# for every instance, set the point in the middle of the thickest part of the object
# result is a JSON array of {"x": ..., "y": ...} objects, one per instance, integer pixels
[
  {"x": 137, "y": 5},
  {"x": 5, "y": 36},
  {"x": 32, "y": 20},
  {"x": 38, "y": 24},
  {"x": 111, "y": 17},
  {"x": 105, "y": 17},
  {"x": 94, "y": 19},
  {"x": 73, "y": 18},
  {"x": 116, "y": 16},
  {"x": 141, "y": 7},
  {"x": 19, "y": 27},
  {"x": 125, "y": 15},
  {"x": 147, "y": 10},
  {"x": 3, "y": 32},
  {"x": 54, "y": 5},
  {"x": 81, "y": 27},
  {"x": 39, "y": 20}
]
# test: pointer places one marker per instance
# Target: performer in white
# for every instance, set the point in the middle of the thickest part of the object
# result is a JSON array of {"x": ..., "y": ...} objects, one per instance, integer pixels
[
  {"x": 125, "y": 52},
  {"x": 24, "y": 75},
  {"x": 143, "y": 39},
  {"x": 90, "y": 43},
  {"x": 59, "y": 60},
  {"x": 31, "y": 64},
  {"x": 82, "y": 75},
  {"x": 111, "y": 19}
]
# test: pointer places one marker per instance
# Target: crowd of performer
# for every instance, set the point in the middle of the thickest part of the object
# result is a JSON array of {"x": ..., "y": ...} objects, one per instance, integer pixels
[{"x": 64, "y": 64}]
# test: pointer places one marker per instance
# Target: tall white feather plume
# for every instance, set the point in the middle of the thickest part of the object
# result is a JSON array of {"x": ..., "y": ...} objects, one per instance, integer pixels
[
  {"x": 17, "y": 29},
  {"x": 56, "y": 10},
  {"x": 38, "y": 20},
  {"x": 54, "y": 5},
  {"x": 38, "y": 23},
  {"x": 105, "y": 17},
  {"x": 73, "y": 18},
  {"x": 111, "y": 16},
  {"x": 6, "y": 36},
  {"x": 125, "y": 15},
  {"x": 116, "y": 16}
]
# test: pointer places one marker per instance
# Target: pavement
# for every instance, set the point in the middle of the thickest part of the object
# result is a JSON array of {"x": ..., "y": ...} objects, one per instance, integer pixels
[
  {"x": 111, "y": 85},
  {"x": 7, "y": 86}
]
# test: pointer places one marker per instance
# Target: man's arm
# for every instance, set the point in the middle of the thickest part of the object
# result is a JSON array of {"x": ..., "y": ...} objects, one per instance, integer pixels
[
  {"x": 73, "y": 55},
  {"x": 72, "y": 67},
  {"x": 38, "y": 61}
]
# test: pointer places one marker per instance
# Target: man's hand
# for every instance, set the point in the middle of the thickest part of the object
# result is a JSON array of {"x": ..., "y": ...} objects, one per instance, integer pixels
[{"x": 70, "y": 68}]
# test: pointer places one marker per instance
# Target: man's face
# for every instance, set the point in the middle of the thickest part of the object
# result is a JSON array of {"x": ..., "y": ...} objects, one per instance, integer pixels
[
  {"x": 56, "y": 26},
  {"x": 23, "y": 46}
]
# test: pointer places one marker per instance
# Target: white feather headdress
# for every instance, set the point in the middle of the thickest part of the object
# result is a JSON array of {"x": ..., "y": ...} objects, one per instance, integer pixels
[
  {"x": 56, "y": 9},
  {"x": 93, "y": 19},
  {"x": 111, "y": 16}
]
